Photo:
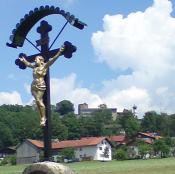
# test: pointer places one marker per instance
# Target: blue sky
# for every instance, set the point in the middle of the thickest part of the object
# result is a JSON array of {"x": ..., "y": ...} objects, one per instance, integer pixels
[{"x": 125, "y": 55}]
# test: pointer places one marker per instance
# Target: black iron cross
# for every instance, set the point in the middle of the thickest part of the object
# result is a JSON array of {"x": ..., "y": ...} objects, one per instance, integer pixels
[
  {"x": 19, "y": 35},
  {"x": 43, "y": 30}
]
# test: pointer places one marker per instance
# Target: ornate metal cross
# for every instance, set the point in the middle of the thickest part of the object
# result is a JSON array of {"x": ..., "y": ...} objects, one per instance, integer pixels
[{"x": 18, "y": 37}]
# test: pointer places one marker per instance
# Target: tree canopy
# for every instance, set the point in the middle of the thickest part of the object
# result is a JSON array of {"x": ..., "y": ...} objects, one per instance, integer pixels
[
  {"x": 64, "y": 107},
  {"x": 18, "y": 123}
]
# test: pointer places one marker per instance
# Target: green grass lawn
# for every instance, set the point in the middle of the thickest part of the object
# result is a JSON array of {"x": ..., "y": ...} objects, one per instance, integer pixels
[{"x": 153, "y": 166}]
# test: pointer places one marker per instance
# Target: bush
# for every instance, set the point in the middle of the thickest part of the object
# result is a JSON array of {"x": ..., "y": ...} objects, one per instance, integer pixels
[
  {"x": 120, "y": 154},
  {"x": 161, "y": 146},
  {"x": 68, "y": 153},
  {"x": 9, "y": 160},
  {"x": 41, "y": 156},
  {"x": 4, "y": 161},
  {"x": 12, "y": 159},
  {"x": 144, "y": 149}
]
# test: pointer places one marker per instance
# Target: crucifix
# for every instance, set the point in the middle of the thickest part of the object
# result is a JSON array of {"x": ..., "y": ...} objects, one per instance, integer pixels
[
  {"x": 40, "y": 86},
  {"x": 41, "y": 62}
]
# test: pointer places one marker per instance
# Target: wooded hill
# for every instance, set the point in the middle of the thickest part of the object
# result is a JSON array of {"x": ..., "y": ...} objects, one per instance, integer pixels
[{"x": 20, "y": 122}]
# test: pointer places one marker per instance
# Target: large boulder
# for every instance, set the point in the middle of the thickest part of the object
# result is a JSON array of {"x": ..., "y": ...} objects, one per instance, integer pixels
[{"x": 47, "y": 168}]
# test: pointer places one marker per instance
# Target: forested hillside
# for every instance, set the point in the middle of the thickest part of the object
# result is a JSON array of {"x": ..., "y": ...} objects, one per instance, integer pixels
[{"x": 20, "y": 122}]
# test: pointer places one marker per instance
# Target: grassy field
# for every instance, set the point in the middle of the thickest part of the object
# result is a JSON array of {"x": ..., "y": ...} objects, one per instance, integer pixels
[{"x": 154, "y": 166}]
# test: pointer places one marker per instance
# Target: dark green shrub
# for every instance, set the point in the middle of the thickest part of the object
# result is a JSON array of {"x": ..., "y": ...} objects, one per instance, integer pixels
[
  {"x": 120, "y": 154},
  {"x": 68, "y": 153},
  {"x": 41, "y": 156},
  {"x": 12, "y": 159},
  {"x": 4, "y": 161}
]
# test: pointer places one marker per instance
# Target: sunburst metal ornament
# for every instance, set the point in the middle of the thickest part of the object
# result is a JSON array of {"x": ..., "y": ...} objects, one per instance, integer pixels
[{"x": 29, "y": 20}]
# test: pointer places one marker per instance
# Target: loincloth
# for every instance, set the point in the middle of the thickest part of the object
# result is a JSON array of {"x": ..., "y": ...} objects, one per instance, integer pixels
[{"x": 41, "y": 86}]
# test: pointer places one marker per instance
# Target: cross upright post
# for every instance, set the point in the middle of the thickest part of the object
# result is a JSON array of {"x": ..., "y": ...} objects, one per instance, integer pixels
[{"x": 44, "y": 29}]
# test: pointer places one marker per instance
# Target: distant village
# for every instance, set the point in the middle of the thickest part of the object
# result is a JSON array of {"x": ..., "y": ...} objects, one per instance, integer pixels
[
  {"x": 84, "y": 110},
  {"x": 120, "y": 146}
]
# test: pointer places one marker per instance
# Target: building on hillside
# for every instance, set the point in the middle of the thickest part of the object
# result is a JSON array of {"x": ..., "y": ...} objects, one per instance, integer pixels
[
  {"x": 148, "y": 138},
  {"x": 117, "y": 140},
  {"x": 84, "y": 110},
  {"x": 92, "y": 148}
]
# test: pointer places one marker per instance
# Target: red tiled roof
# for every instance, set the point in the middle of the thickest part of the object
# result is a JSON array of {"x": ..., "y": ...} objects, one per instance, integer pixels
[
  {"x": 151, "y": 135},
  {"x": 148, "y": 134},
  {"x": 37, "y": 143},
  {"x": 117, "y": 138},
  {"x": 91, "y": 141}
]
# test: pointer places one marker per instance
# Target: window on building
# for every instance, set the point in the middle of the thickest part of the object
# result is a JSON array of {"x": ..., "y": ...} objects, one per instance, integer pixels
[
  {"x": 80, "y": 149},
  {"x": 100, "y": 148}
]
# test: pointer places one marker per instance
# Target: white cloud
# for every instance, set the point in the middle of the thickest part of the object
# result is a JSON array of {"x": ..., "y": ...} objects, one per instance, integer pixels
[
  {"x": 126, "y": 98},
  {"x": 10, "y": 98},
  {"x": 124, "y": 40},
  {"x": 67, "y": 89},
  {"x": 144, "y": 42}
]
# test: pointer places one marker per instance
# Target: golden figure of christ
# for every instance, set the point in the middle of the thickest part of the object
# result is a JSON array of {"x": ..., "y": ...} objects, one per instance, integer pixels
[{"x": 38, "y": 85}]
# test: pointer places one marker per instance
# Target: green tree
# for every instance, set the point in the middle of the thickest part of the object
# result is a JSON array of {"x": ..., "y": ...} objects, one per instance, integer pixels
[
  {"x": 160, "y": 146},
  {"x": 72, "y": 124},
  {"x": 120, "y": 154},
  {"x": 59, "y": 130},
  {"x": 129, "y": 123},
  {"x": 83, "y": 126},
  {"x": 6, "y": 137},
  {"x": 103, "y": 115},
  {"x": 68, "y": 153},
  {"x": 64, "y": 107},
  {"x": 143, "y": 148},
  {"x": 153, "y": 122},
  {"x": 22, "y": 122},
  {"x": 171, "y": 127},
  {"x": 102, "y": 122},
  {"x": 149, "y": 121}
]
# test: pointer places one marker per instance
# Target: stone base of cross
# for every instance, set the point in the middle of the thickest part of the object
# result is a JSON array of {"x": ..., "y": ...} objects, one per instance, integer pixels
[{"x": 47, "y": 168}]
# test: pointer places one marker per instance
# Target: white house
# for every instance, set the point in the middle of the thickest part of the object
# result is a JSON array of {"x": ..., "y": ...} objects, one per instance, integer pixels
[
  {"x": 90, "y": 148},
  {"x": 94, "y": 148}
]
